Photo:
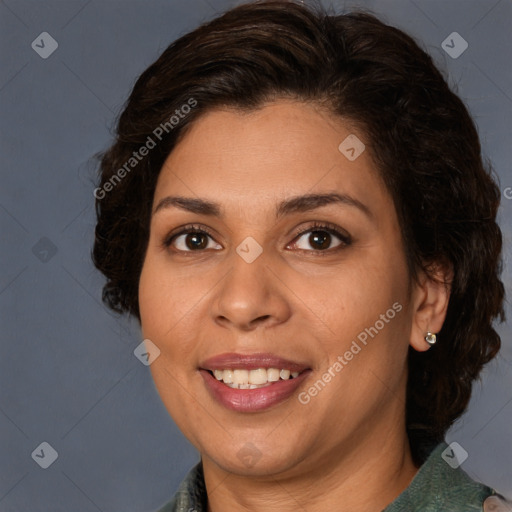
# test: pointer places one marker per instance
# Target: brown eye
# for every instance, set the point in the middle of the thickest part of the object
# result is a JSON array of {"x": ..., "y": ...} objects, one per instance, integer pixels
[
  {"x": 196, "y": 241},
  {"x": 192, "y": 240},
  {"x": 321, "y": 238}
]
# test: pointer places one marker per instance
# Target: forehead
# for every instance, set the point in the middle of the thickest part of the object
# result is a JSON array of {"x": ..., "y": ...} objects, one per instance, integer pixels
[{"x": 283, "y": 149}]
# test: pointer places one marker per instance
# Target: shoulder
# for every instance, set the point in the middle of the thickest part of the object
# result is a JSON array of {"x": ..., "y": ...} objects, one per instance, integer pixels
[
  {"x": 191, "y": 494},
  {"x": 442, "y": 486}
]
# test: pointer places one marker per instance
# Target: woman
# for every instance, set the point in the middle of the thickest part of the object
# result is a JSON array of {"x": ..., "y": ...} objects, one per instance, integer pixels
[{"x": 296, "y": 210}]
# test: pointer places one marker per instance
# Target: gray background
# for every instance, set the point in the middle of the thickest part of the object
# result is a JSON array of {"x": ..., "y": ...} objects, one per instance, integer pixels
[{"x": 67, "y": 369}]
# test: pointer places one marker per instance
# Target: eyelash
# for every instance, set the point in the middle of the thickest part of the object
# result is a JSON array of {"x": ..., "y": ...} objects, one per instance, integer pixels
[{"x": 345, "y": 239}]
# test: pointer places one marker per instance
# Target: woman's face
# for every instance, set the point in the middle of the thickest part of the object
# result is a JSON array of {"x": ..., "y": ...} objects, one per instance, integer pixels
[{"x": 293, "y": 261}]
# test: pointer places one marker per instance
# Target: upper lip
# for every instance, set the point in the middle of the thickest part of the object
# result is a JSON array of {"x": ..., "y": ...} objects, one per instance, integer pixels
[{"x": 250, "y": 362}]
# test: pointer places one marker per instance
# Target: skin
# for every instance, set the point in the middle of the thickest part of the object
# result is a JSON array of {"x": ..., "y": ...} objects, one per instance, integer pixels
[{"x": 348, "y": 444}]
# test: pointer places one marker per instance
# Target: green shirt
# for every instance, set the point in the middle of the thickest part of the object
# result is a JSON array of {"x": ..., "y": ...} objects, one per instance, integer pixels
[{"x": 436, "y": 487}]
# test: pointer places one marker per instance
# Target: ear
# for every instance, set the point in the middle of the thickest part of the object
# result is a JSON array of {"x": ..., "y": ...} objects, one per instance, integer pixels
[{"x": 430, "y": 297}]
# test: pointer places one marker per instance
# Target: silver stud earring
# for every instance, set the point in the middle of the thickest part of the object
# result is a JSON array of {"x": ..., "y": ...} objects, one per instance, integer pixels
[{"x": 431, "y": 338}]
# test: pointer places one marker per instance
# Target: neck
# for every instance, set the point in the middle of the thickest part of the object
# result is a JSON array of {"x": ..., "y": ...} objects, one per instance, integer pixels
[{"x": 362, "y": 475}]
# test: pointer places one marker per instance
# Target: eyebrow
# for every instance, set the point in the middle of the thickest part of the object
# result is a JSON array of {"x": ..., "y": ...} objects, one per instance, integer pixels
[{"x": 296, "y": 204}]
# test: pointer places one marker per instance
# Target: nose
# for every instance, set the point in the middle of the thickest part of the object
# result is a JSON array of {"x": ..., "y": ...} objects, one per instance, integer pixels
[{"x": 249, "y": 297}]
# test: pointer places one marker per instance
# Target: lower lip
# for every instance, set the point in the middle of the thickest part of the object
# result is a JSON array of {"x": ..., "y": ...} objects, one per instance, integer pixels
[{"x": 252, "y": 400}]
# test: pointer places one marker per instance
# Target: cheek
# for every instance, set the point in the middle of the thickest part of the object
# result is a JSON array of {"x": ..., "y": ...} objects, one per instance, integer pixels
[
  {"x": 353, "y": 298},
  {"x": 166, "y": 303},
  {"x": 165, "y": 298},
  {"x": 172, "y": 304},
  {"x": 366, "y": 311}
]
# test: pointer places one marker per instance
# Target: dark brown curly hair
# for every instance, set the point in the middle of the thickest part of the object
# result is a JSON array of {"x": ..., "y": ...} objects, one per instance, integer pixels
[{"x": 421, "y": 137}]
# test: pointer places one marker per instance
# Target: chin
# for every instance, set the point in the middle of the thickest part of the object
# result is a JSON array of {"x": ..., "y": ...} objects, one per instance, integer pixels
[{"x": 251, "y": 461}]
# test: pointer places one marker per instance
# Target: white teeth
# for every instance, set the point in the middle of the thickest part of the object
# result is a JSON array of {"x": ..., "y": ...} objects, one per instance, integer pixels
[
  {"x": 227, "y": 376},
  {"x": 252, "y": 379},
  {"x": 258, "y": 376},
  {"x": 284, "y": 374},
  {"x": 273, "y": 374},
  {"x": 240, "y": 377}
]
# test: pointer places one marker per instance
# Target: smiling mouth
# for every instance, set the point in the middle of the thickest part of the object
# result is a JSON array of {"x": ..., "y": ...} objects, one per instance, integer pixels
[{"x": 252, "y": 379}]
